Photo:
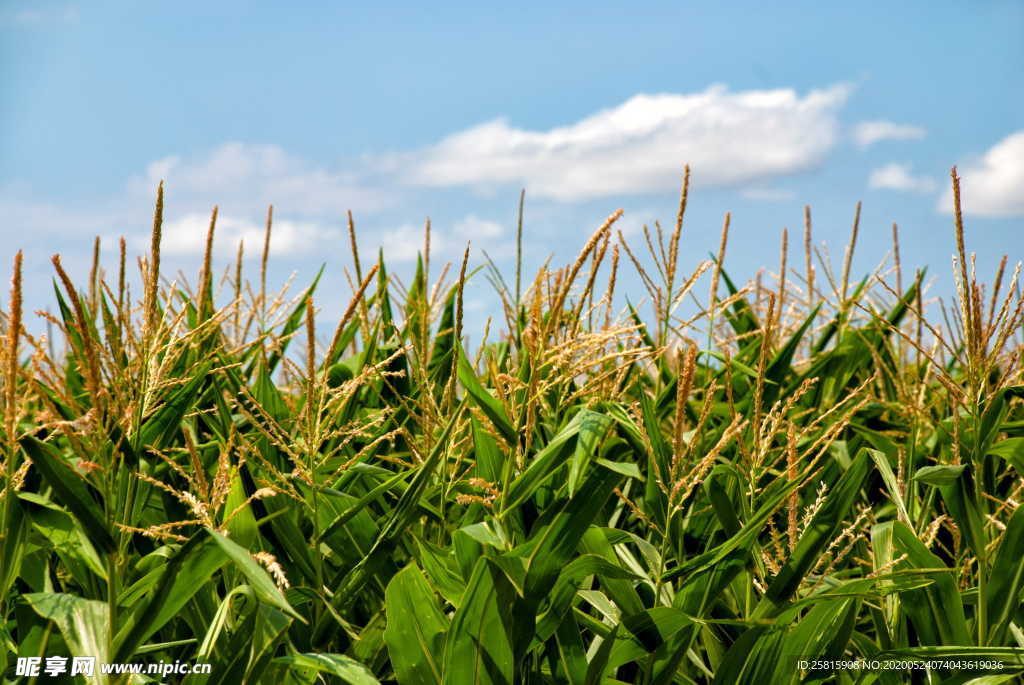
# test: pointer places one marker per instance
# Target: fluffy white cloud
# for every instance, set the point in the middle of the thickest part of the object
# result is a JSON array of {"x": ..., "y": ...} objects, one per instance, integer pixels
[
  {"x": 474, "y": 228},
  {"x": 869, "y": 132},
  {"x": 898, "y": 177},
  {"x": 187, "y": 235},
  {"x": 405, "y": 242},
  {"x": 245, "y": 178},
  {"x": 641, "y": 145},
  {"x": 994, "y": 184}
]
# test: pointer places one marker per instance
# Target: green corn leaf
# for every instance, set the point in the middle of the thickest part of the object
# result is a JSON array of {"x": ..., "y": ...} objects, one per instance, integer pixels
[
  {"x": 416, "y": 629},
  {"x": 1012, "y": 450},
  {"x": 742, "y": 540},
  {"x": 544, "y": 463},
  {"x": 559, "y": 540},
  {"x": 959, "y": 498},
  {"x": 70, "y": 490},
  {"x": 593, "y": 427},
  {"x": 489, "y": 459},
  {"x": 1006, "y": 579},
  {"x": 821, "y": 634},
  {"x": 82, "y": 622},
  {"x": 595, "y": 542},
  {"x": 652, "y": 627},
  {"x": 821, "y": 530},
  {"x": 487, "y": 403},
  {"x": 165, "y": 423},
  {"x": 937, "y": 610},
  {"x": 67, "y": 539},
  {"x": 752, "y": 658},
  {"x": 189, "y": 570},
  {"x": 891, "y": 485},
  {"x": 399, "y": 517},
  {"x": 257, "y": 576},
  {"x": 267, "y": 634},
  {"x": 12, "y": 547},
  {"x": 939, "y": 475},
  {"x": 479, "y": 649},
  {"x": 338, "y": 666},
  {"x": 598, "y": 666},
  {"x": 571, "y": 654}
]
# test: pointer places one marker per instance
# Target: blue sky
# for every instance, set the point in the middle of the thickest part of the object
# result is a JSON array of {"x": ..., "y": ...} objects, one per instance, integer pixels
[{"x": 409, "y": 111}]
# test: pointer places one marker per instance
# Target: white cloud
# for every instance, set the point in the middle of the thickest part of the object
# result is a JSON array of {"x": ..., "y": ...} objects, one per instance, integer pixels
[
  {"x": 405, "y": 242},
  {"x": 898, "y": 177},
  {"x": 728, "y": 138},
  {"x": 25, "y": 217},
  {"x": 474, "y": 228},
  {"x": 869, "y": 132},
  {"x": 187, "y": 235},
  {"x": 245, "y": 178},
  {"x": 483, "y": 235},
  {"x": 993, "y": 185},
  {"x": 632, "y": 223},
  {"x": 641, "y": 145},
  {"x": 34, "y": 16}
]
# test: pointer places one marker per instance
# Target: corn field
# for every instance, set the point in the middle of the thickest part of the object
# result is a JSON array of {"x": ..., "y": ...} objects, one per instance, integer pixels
[{"x": 707, "y": 481}]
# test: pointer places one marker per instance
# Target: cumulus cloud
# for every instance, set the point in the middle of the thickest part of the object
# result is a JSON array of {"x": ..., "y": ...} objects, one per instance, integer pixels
[
  {"x": 640, "y": 145},
  {"x": 473, "y": 227},
  {"x": 485, "y": 235},
  {"x": 745, "y": 138},
  {"x": 245, "y": 178},
  {"x": 870, "y": 132},
  {"x": 404, "y": 242},
  {"x": 993, "y": 185},
  {"x": 631, "y": 224},
  {"x": 899, "y": 177},
  {"x": 187, "y": 235}
]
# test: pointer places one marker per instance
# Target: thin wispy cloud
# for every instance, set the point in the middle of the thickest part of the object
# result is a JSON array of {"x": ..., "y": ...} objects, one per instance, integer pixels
[
  {"x": 37, "y": 16},
  {"x": 486, "y": 235},
  {"x": 187, "y": 236},
  {"x": 870, "y": 132},
  {"x": 473, "y": 227},
  {"x": 245, "y": 178},
  {"x": 768, "y": 194},
  {"x": 25, "y": 216},
  {"x": 898, "y": 176},
  {"x": 447, "y": 241},
  {"x": 993, "y": 186},
  {"x": 639, "y": 146}
]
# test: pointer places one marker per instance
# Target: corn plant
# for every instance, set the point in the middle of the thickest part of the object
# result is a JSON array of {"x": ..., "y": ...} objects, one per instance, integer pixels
[{"x": 712, "y": 484}]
